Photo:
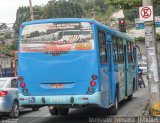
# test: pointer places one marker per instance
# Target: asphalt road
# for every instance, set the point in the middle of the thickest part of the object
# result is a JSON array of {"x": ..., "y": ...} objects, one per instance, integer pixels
[{"x": 133, "y": 108}]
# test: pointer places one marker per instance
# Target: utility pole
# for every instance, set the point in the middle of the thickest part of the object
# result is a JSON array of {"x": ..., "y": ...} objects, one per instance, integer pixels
[
  {"x": 31, "y": 10},
  {"x": 152, "y": 61}
]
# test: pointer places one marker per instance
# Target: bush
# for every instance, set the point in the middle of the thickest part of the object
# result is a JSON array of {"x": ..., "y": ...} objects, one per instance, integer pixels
[
  {"x": 158, "y": 36},
  {"x": 1, "y": 38},
  {"x": 6, "y": 50},
  {"x": 8, "y": 36},
  {"x": 139, "y": 39}
]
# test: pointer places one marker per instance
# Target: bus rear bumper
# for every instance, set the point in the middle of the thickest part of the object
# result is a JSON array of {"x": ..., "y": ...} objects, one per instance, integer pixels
[{"x": 62, "y": 100}]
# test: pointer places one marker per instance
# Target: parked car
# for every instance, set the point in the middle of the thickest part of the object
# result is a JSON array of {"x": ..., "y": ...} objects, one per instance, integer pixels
[
  {"x": 9, "y": 96},
  {"x": 9, "y": 103},
  {"x": 143, "y": 67}
]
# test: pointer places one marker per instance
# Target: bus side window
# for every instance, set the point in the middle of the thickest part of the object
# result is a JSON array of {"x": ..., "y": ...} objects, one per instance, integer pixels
[
  {"x": 130, "y": 52},
  {"x": 102, "y": 46},
  {"x": 115, "y": 50},
  {"x": 132, "y": 46},
  {"x": 120, "y": 50}
]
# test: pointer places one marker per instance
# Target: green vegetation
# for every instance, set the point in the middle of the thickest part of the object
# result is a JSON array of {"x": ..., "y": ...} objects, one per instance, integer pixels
[
  {"x": 7, "y": 50},
  {"x": 140, "y": 39},
  {"x": 2, "y": 38},
  {"x": 63, "y": 9},
  {"x": 158, "y": 36},
  {"x": 8, "y": 36},
  {"x": 3, "y": 26},
  {"x": 23, "y": 14},
  {"x": 100, "y": 9}
]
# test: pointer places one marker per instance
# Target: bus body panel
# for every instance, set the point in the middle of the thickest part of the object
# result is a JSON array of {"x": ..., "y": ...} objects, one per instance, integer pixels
[
  {"x": 131, "y": 77},
  {"x": 119, "y": 76},
  {"x": 105, "y": 86},
  {"x": 40, "y": 71},
  {"x": 63, "y": 100}
]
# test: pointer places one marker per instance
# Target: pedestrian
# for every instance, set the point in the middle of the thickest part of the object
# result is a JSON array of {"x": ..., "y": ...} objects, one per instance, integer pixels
[{"x": 140, "y": 78}]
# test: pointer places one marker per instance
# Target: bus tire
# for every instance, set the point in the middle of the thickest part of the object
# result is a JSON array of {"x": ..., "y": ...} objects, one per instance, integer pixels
[
  {"x": 130, "y": 97},
  {"x": 134, "y": 85},
  {"x": 63, "y": 111},
  {"x": 114, "y": 109},
  {"x": 53, "y": 111}
]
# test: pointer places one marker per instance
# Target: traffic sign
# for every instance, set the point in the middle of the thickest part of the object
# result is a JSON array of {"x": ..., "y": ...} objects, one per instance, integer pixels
[
  {"x": 139, "y": 26},
  {"x": 157, "y": 24},
  {"x": 146, "y": 13}
]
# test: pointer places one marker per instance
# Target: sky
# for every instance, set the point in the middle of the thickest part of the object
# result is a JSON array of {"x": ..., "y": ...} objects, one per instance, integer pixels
[{"x": 8, "y": 8}]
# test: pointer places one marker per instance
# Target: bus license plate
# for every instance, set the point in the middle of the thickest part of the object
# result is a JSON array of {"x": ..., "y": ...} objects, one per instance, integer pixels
[{"x": 57, "y": 85}]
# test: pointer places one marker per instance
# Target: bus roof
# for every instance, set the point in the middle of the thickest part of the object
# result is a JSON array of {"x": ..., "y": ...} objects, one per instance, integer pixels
[{"x": 109, "y": 29}]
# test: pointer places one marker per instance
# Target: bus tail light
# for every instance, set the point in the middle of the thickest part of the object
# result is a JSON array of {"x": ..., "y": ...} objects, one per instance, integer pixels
[
  {"x": 20, "y": 79},
  {"x": 94, "y": 77},
  {"x": 92, "y": 83},
  {"x": 22, "y": 84},
  {"x": 25, "y": 90},
  {"x": 90, "y": 89},
  {"x": 3, "y": 93},
  {"x": 21, "y": 99}
]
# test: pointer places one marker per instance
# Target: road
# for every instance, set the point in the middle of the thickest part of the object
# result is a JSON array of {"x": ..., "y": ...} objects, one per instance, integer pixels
[{"x": 132, "y": 108}]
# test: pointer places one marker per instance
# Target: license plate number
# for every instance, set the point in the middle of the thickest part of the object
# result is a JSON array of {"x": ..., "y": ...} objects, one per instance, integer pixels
[
  {"x": 58, "y": 100},
  {"x": 57, "y": 85}
]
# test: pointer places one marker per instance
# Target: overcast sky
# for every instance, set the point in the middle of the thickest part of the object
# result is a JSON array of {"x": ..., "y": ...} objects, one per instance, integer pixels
[{"x": 8, "y": 8}]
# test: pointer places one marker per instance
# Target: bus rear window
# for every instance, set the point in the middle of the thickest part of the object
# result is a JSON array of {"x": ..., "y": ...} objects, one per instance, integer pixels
[{"x": 57, "y": 37}]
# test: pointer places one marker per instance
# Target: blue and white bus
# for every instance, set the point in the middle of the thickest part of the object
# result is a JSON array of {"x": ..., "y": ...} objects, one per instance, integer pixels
[{"x": 74, "y": 62}]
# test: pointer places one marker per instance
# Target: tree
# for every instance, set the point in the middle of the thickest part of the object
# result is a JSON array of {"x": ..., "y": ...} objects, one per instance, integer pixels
[
  {"x": 6, "y": 50},
  {"x": 14, "y": 46},
  {"x": 125, "y": 4},
  {"x": 2, "y": 38},
  {"x": 38, "y": 12},
  {"x": 131, "y": 14},
  {"x": 23, "y": 15},
  {"x": 63, "y": 9},
  {"x": 101, "y": 4},
  {"x": 3, "y": 26},
  {"x": 129, "y": 4},
  {"x": 8, "y": 35},
  {"x": 157, "y": 10}
]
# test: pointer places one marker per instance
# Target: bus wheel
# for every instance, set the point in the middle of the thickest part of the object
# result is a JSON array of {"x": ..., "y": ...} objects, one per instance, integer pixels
[
  {"x": 53, "y": 110},
  {"x": 130, "y": 97},
  {"x": 63, "y": 111},
  {"x": 114, "y": 109}
]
